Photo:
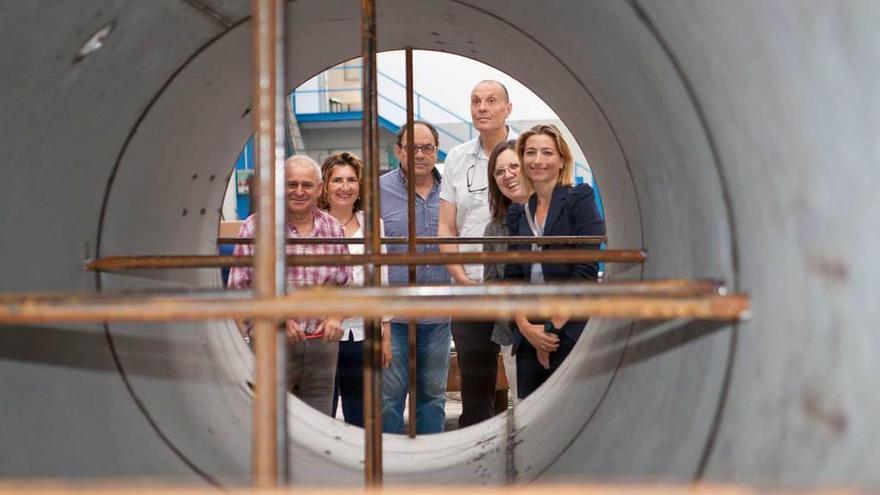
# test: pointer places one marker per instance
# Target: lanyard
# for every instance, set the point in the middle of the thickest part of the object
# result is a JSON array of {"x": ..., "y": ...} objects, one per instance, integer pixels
[{"x": 532, "y": 225}]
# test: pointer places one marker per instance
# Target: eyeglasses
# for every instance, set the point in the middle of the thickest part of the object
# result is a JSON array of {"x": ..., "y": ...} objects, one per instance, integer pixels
[
  {"x": 427, "y": 149},
  {"x": 511, "y": 167},
  {"x": 472, "y": 187}
]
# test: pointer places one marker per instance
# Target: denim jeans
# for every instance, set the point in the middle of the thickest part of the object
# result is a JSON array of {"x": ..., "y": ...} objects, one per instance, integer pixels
[{"x": 432, "y": 368}]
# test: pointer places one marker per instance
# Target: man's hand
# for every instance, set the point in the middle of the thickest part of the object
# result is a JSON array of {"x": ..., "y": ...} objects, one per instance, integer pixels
[
  {"x": 386, "y": 344},
  {"x": 331, "y": 329},
  {"x": 294, "y": 332}
]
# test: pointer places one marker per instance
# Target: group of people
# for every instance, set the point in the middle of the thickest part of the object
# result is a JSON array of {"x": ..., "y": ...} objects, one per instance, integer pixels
[{"x": 494, "y": 185}]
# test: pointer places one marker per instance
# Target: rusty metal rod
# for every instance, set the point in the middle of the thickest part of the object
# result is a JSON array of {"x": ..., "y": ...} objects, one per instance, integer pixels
[
  {"x": 279, "y": 250},
  {"x": 372, "y": 247},
  {"x": 118, "y": 263},
  {"x": 592, "y": 240},
  {"x": 268, "y": 260},
  {"x": 411, "y": 240},
  {"x": 658, "y": 288},
  {"x": 584, "y": 300}
]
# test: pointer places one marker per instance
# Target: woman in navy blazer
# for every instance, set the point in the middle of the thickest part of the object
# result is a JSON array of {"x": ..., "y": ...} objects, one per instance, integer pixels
[{"x": 555, "y": 207}]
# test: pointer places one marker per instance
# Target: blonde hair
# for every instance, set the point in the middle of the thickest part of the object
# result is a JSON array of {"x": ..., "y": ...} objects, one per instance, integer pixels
[{"x": 566, "y": 175}]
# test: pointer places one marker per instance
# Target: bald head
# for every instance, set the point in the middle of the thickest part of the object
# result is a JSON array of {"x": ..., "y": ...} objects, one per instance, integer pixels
[
  {"x": 497, "y": 84},
  {"x": 490, "y": 108}
]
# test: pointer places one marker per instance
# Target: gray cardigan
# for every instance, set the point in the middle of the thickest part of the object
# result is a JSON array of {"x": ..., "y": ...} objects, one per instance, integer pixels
[{"x": 502, "y": 334}]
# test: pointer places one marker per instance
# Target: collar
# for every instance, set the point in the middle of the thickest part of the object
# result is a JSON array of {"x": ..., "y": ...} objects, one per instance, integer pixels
[
  {"x": 316, "y": 212},
  {"x": 477, "y": 150}
]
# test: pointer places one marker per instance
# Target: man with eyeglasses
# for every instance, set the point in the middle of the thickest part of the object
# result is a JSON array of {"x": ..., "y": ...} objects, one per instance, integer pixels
[
  {"x": 433, "y": 335},
  {"x": 464, "y": 212}
]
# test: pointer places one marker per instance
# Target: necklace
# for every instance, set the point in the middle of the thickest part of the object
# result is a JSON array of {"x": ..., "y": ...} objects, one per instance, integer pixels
[{"x": 349, "y": 220}]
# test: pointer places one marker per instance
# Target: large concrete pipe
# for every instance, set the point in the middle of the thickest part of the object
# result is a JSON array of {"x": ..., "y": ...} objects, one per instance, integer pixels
[{"x": 732, "y": 139}]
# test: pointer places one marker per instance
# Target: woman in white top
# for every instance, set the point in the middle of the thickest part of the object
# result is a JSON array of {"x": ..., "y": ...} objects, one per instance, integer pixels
[{"x": 343, "y": 181}]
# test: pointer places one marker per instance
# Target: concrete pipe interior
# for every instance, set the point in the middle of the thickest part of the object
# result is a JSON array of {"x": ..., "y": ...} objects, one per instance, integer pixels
[{"x": 732, "y": 140}]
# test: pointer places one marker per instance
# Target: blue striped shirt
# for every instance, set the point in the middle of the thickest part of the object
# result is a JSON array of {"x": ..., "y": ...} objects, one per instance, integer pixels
[{"x": 394, "y": 214}]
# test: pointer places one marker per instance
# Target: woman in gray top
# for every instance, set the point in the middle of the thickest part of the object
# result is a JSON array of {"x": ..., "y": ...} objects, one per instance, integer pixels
[{"x": 505, "y": 188}]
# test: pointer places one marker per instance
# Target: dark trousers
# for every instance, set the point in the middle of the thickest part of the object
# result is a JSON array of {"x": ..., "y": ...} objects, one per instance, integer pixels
[
  {"x": 478, "y": 367},
  {"x": 529, "y": 372},
  {"x": 350, "y": 382}
]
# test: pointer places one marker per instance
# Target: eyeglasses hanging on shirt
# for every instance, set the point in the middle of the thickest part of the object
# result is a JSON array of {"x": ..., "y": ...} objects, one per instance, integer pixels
[{"x": 474, "y": 184}]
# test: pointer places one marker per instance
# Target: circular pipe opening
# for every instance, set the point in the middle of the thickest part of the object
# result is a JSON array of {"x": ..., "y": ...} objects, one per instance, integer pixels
[{"x": 206, "y": 364}]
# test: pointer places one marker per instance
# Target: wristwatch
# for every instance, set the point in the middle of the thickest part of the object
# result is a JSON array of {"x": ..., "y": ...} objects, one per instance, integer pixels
[{"x": 549, "y": 327}]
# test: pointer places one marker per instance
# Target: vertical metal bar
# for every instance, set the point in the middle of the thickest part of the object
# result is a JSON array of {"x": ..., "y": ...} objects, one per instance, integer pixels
[
  {"x": 269, "y": 245},
  {"x": 411, "y": 236},
  {"x": 279, "y": 251},
  {"x": 372, "y": 244}
]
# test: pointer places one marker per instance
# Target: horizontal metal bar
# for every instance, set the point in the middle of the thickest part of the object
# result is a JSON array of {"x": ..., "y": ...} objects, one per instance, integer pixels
[
  {"x": 484, "y": 302},
  {"x": 660, "y": 287},
  {"x": 118, "y": 263},
  {"x": 591, "y": 240}
]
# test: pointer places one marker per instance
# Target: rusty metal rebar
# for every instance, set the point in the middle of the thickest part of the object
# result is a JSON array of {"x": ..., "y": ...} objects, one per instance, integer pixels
[
  {"x": 633, "y": 300},
  {"x": 372, "y": 246},
  {"x": 118, "y": 263},
  {"x": 670, "y": 287},
  {"x": 411, "y": 239},
  {"x": 268, "y": 436},
  {"x": 592, "y": 240}
]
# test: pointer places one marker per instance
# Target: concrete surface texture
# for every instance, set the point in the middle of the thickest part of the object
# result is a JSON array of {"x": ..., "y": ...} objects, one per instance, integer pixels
[{"x": 735, "y": 140}]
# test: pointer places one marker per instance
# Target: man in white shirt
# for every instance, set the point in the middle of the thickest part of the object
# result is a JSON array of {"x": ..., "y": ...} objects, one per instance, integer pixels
[{"x": 464, "y": 212}]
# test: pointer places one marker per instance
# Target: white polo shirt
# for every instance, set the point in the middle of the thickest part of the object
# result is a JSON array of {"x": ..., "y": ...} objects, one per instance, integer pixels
[{"x": 466, "y": 184}]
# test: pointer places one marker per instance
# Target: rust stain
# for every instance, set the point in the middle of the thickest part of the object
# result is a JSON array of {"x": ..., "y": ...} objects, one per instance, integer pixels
[
  {"x": 830, "y": 268},
  {"x": 831, "y": 416}
]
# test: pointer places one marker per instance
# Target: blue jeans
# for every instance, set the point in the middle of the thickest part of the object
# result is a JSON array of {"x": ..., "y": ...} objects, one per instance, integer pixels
[{"x": 432, "y": 368}]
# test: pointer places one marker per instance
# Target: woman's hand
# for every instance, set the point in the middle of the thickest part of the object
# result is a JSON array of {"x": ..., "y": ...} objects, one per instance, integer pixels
[
  {"x": 386, "y": 344},
  {"x": 536, "y": 335},
  {"x": 543, "y": 358},
  {"x": 294, "y": 332},
  {"x": 559, "y": 321},
  {"x": 331, "y": 329}
]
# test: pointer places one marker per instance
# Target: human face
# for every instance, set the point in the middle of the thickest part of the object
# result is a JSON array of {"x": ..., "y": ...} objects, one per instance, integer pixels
[
  {"x": 541, "y": 159},
  {"x": 302, "y": 188},
  {"x": 507, "y": 176},
  {"x": 489, "y": 107},
  {"x": 343, "y": 187},
  {"x": 424, "y": 161}
]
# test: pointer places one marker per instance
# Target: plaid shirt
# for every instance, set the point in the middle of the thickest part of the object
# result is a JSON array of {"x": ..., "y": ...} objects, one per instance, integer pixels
[{"x": 297, "y": 276}]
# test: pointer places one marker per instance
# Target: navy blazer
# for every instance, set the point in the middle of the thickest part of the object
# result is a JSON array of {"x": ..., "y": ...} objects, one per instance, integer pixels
[{"x": 572, "y": 211}]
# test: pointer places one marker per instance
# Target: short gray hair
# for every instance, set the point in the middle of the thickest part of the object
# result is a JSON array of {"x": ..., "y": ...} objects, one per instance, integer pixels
[{"x": 304, "y": 160}]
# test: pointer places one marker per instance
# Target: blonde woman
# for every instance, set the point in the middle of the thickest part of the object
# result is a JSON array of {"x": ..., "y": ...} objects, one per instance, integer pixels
[
  {"x": 554, "y": 207},
  {"x": 343, "y": 182}
]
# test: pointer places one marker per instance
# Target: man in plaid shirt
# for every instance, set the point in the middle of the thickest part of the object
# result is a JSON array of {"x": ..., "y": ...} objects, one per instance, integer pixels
[{"x": 312, "y": 342}]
